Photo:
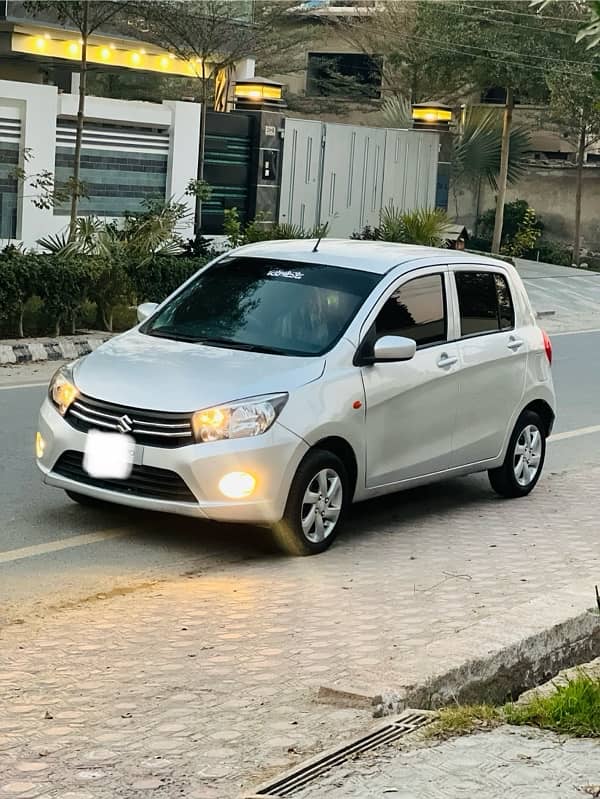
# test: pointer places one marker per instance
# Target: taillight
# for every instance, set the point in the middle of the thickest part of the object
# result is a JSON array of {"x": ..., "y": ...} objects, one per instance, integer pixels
[{"x": 547, "y": 346}]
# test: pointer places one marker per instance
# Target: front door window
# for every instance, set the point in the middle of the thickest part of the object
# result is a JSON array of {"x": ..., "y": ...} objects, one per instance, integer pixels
[{"x": 415, "y": 310}]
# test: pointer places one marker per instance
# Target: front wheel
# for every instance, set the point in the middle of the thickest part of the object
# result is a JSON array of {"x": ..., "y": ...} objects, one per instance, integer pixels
[
  {"x": 315, "y": 505},
  {"x": 524, "y": 459}
]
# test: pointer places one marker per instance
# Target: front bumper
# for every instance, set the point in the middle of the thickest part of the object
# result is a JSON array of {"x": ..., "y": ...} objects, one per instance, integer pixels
[{"x": 272, "y": 458}]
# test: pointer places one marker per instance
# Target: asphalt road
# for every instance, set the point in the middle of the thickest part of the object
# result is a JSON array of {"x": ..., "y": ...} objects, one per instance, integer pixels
[{"x": 53, "y": 552}]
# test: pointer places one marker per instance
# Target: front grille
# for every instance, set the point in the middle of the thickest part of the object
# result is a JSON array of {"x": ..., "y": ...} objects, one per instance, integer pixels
[
  {"x": 152, "y": 428},
  {"x": 144, "y": 481}
]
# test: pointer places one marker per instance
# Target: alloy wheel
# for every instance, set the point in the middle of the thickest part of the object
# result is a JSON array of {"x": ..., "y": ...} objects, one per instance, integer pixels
[
  {"x": 322, "y": 505},
  {"x": 528, "y": 455}
]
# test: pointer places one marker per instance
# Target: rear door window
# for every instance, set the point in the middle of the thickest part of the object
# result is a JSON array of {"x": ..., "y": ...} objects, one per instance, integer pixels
[{"x": 484, "y": 302}]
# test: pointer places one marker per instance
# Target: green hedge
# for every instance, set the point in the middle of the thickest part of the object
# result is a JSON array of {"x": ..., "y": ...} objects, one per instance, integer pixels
[{"x": 60, "y": 289}]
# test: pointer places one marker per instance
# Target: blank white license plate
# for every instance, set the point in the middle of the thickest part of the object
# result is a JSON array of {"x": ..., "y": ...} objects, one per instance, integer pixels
[{"x": 109, "y": 455}]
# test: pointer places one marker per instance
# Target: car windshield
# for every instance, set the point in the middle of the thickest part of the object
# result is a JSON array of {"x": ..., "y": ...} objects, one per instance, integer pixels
[{"x": 265, "y": 305}]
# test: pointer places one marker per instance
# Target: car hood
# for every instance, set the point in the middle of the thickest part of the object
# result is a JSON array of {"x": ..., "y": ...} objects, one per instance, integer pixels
[{"x": 141, "y": 371}]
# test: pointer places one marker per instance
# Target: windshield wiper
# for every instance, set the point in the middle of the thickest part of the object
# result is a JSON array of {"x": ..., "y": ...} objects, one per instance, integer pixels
[
  {"x": 240, "y": 345},
  {"x": 216, "y": 342},
  {"x": 159, "y": 332}
]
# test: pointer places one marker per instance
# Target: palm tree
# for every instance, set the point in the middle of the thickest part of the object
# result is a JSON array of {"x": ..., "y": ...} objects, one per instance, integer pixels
[
  {"x": 476, "y": 150},
  {"x": 476, "y": 145}
]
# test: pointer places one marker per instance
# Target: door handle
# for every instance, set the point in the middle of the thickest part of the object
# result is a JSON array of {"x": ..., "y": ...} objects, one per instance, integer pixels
[
  {"x": 515, "y": 343},
  {"x": 446, "y": 360}
]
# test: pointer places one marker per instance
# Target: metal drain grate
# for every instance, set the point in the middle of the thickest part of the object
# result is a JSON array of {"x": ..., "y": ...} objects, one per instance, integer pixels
[{"x": 295, "y": 780}]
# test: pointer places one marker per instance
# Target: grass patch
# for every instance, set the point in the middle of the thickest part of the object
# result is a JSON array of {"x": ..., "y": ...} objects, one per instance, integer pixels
[
  {"x": 463, "y": 719},
  {"x": 574, "y": 709}
]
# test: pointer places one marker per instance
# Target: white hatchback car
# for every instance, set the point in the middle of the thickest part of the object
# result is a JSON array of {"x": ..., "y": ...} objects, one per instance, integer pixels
[{"x": 286, "y": 380}]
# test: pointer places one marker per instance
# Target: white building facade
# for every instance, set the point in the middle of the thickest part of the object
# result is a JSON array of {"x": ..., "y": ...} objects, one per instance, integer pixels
[{"x": 131, "y": 152}]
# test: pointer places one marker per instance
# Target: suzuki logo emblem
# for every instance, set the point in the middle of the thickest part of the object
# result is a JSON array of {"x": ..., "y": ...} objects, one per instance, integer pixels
[{"x": 125, "y": 424}]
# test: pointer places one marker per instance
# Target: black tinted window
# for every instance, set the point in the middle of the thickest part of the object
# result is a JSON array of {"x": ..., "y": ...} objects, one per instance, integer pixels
[
  {"x": 415, "y": 310},
  {"x": 285, "y": 307},
  {"x": 484, "y": 301},
  {"x": 506, "y": 311}
]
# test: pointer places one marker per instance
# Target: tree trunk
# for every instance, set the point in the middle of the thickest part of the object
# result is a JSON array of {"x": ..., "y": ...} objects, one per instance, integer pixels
[
  {"x": 20, "y": 320},
  {"x": 107, "y": 319},
  {"x": 503, "y": 176},
  {"x": 201, "y": 151},
  {"x": 578, "y": 193},
  {"x": 79, "y": 128}
]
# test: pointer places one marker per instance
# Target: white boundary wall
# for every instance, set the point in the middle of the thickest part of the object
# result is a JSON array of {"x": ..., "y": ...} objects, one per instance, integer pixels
[{"x": 37, "y": 108}]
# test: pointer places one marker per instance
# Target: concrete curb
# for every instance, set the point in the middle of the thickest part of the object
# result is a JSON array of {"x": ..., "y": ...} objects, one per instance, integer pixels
[
  {"x": 56, "y": 349},
  {"x": 559, "y": 632}
]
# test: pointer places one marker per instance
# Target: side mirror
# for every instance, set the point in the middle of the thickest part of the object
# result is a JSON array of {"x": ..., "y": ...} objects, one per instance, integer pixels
[
  {"x": 394, "y": 348},
  {"x": 145, "y": 310}
]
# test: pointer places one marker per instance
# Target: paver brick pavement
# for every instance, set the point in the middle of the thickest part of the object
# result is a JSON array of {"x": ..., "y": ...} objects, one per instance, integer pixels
[
  {"x": 506, "y": 762},
  {"x": 206, "y": 685}
]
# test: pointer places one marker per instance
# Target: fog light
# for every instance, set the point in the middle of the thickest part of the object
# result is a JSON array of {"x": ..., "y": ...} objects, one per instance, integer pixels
[
  {"x": 40, "y": 445},
  {"x": 237, "y": 485}
]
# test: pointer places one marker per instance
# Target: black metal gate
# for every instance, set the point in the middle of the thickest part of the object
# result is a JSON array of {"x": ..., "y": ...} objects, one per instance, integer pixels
[{"x": 228, "y": 165}]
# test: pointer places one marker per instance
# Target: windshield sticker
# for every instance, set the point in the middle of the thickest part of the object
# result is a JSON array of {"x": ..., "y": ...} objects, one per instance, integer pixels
[{"x": 285, "y": 273}]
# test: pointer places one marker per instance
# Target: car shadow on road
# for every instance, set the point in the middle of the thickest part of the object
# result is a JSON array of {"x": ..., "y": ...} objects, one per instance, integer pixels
[{"x": 195, "y": 538}]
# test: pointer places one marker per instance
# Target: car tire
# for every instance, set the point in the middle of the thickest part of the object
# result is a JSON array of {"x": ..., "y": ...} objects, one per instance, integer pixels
[
  {"x": 318, "y": 498},
  {"x": 83, "y": 499},
  {"x": 524, "y": 459}
]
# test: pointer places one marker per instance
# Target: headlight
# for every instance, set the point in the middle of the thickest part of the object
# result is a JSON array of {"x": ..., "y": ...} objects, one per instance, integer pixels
[
  {"x": 62, "y": 390},
  {"x": 249, "y": 417}
]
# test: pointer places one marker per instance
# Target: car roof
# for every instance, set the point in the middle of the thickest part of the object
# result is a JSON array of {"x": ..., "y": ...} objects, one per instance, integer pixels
[{"x": 367, "y": 256}]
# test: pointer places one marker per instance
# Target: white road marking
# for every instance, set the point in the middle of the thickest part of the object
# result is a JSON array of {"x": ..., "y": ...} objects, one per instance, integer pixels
[
  {"x": 580, "y": 431},
  {"x": 574, "y": 332},
  {"x": 55, "y": 546},
  {"x": 24, "y": 385}
]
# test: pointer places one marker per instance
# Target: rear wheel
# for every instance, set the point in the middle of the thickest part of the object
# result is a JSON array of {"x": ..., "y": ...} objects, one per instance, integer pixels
[
  {"x": 315, "y": 505},
  {"x": 524, "y": 459},
  {"x": 83, "y": 499}
]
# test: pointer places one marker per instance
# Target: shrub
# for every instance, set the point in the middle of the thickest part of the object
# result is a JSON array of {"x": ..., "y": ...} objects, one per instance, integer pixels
[
  {"x": 17, "y": 280},
  {"x": 65, "y": 284},
  {"x": 53, "y": 292},
  {"x": 514, "y": 216},
  {"x": 552, "y": 252},
  {"x": 155, "y": 279},
  {"x": 527, "y": 234},
  {"x": 260, "y": 229},
  {"x": 368, "y": 233},
  {"x": 425, "y": 226},
  {"x": 480, "y": 244}
]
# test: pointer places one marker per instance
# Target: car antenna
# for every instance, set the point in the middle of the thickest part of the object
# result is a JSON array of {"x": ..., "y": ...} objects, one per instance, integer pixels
[{"x": 316, "y": 247}]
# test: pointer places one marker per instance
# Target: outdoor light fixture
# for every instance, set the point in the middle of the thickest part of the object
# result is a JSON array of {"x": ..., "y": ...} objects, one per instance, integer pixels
[
  {"x": 56, "y": 45},
  {"x": 431, "y": 116},
  {"x": 256, "y": 93}
]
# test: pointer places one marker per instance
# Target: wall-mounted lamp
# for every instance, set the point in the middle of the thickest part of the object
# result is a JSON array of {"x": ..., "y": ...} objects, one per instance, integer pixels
[
  {"x": 256, "y": 93},
  {"x": 431, "y": 116}
]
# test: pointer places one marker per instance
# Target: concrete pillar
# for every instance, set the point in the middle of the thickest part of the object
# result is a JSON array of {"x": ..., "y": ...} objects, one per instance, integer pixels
[
  {"x": 38, "y": 106},
  {"x": 183, "y": 154}
]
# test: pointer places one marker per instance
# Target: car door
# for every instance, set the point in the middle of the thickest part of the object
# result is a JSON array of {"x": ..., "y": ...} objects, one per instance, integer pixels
[
  {"x": 493, "y": 363},
  {"x": 411, "y": 405}
]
